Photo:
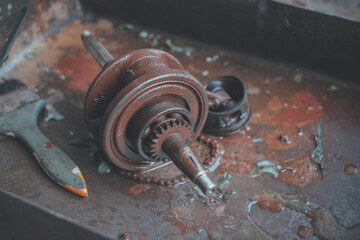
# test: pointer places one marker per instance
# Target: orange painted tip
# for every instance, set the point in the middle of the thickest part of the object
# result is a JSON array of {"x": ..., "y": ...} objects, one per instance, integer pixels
[{"x": 81, "y": 192}]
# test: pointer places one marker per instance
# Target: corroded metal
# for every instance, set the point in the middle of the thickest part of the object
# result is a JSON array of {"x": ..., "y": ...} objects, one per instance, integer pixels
[
  {"x": 144, "y": 109},
  {"x": 176, "y": 177}
]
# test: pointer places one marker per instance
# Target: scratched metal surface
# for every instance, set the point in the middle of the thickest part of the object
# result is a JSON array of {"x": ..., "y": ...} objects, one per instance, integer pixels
[{"x": 284, "y": 100}]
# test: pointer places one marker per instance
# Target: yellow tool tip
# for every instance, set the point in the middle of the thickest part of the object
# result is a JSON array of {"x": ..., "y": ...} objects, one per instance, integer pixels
[{"x": 81, "y": 192}]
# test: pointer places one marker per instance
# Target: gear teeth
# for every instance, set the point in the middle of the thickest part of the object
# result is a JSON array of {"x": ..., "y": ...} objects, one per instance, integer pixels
[{"x": 153, "y": 138}]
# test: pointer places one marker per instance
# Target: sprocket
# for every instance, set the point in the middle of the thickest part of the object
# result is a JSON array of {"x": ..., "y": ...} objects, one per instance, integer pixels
[{"x": 154, "y": 140}]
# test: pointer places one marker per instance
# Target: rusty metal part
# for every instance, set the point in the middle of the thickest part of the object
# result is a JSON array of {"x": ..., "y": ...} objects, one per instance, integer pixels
[
  {"x": 97, "y": 50},
  {"x": 154, "y": 141},
  {"x": 229, "y": 109},
  {"x": 168, "y": 176},
  {"x": 185, "y": 159},
  {"x": 144, "y": 108}
]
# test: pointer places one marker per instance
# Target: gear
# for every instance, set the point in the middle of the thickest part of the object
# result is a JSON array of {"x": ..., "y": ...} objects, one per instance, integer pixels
[
  {"x": 153, "y": 141},
  {"x": 163, "y": 178}
]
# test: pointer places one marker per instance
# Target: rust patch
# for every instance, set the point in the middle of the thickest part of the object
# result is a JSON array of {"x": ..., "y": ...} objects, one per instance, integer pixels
[
  {"x": 49, "y": 145},
  {"x": 304, "y": 171},
  {"x": 238, "y": 156},
  {"x": 311, "y": 213},
  {"x": 138, "y": 189},
  {"x": 305, "y": 232},
  {"x": 81, "y": 67},
  {"x": 271, "y": 204},
  {"x": 304, "y": 109},
  {"x": 273, "y": 142},
  {"x": 274, "y": 104},
  {"x": 350, "y": 169},
  {"x": 183, "y": 227}
]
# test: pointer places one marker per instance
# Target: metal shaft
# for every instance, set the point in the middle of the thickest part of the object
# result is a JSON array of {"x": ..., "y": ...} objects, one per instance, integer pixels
[
  {"x": 97, "y": 50},
  {"x": 185, "y": 159}
]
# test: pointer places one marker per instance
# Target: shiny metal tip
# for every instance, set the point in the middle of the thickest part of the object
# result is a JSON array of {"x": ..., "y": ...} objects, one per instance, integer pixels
[
  {"x": 205, "y": 184},
  {"x": 86, "y": 33}
]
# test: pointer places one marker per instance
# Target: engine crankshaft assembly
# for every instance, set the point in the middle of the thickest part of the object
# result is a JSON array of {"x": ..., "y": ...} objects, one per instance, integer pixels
[{"x": 145, "y": 110}]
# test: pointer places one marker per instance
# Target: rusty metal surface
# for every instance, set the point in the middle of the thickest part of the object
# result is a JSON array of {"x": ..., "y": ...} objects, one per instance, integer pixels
[{"x": 285, "y": 100}]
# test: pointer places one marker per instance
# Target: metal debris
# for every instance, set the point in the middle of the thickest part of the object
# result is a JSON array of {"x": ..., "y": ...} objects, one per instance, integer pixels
[
  {"x": 29, "y": 55},
  {"x": 250, "y": 205},
  {"x": 127, "y": 26},
  {"x": 48, "y": 70},
  {"x": 125, "y": 236},
  {"x": 333, "y": 88},
  {"x": 255, "y": 140},
  {"x": 62, "y": 76},
  {"x": 226, "y": 176},
  {"x": 50, "y": 113},
  {"x": 212, "y": 59},
  {"x": 284, "y": 138},
  {"x": 265, "y": 166},
  {"x": 317, "y": 154},
  {"x": 300, "y": 132},
  {"x": 205, "y": 73},
  {"x": 103, "y": 167},
  {"x": 178, "y": 48},
  {"x": 143, "y": 34},
  {"x": 155, "y": 41}
]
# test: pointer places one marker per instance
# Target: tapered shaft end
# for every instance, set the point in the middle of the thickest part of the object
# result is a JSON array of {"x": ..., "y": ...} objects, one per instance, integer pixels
[
  {"x": 185, "y": 159},
  {"x": 97, "y": 50}
]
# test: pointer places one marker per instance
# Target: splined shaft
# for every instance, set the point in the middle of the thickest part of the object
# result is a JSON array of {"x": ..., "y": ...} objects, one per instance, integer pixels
[
  {"x": 185, "y": 159},
  {"x": 97, "y": 50}
]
